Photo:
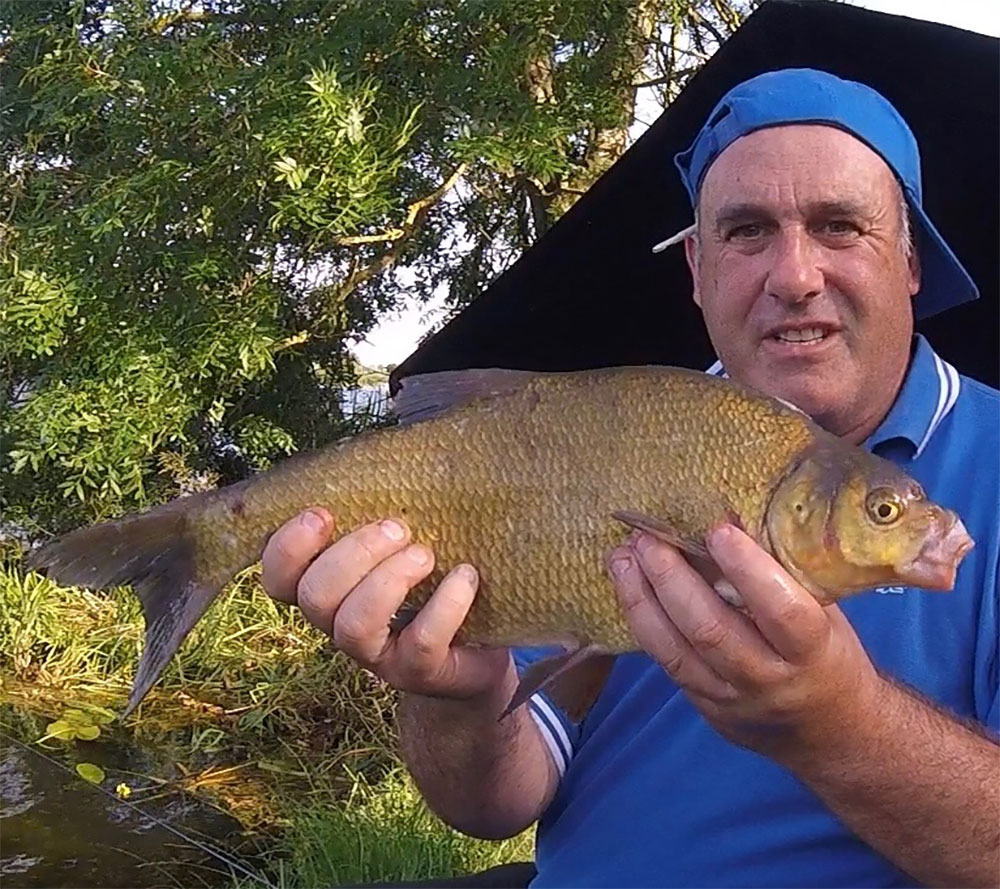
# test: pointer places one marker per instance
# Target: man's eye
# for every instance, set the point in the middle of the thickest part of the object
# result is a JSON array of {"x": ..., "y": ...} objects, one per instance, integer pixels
[
  {"x": 747, "y": 231},
  {"x": 839, "y": 227}
]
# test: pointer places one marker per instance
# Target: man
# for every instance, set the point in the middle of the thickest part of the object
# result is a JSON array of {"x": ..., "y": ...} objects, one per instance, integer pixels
[{"x": 846, "y": 745}]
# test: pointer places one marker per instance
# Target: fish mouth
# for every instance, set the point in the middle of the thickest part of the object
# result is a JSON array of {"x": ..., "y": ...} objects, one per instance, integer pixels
[{"x": 936, "y": 565}]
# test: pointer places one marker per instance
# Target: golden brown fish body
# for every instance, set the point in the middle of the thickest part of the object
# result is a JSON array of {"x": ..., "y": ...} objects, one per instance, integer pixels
[
  {"x": 524, "y": 488},
  {"x": 529, "y": 478}
]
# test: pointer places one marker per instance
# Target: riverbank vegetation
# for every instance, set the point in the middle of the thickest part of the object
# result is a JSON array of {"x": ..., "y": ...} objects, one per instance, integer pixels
[
  {"x": 255, "y": 714},
  {"x": 202, "y": 210}
]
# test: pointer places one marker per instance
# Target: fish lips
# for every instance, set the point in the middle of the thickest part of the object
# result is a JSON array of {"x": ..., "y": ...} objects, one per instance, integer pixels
[{"x": 936, "y": 565}]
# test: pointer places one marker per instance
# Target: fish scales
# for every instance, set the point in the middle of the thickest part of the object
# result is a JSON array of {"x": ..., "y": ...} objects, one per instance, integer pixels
[
  {"x": 524, "y": 488},
  {"x": 532, "y": 479}
]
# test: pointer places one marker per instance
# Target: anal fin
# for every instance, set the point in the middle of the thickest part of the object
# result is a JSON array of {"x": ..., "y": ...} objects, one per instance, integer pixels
[
  {"x": 573, "y": 680},
  {"x": 575, "y": 690}
]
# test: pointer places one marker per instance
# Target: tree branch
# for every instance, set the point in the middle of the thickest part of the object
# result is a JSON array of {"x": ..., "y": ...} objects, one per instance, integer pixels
[
  {"x": 419, "y": 207},
  {"x": 296, "y": 339},
  {"x": 699, "y": 19},
  {"x": 413, "y": 211},
  {"x": 415, "y": 214},
  {"x": 393, "y": 234},
  {"x": 703, "y": 56},
  {"x": 539, "y": 205},
  {"x": 161, "y": 24},
  {"x": 666, "y": 78}
]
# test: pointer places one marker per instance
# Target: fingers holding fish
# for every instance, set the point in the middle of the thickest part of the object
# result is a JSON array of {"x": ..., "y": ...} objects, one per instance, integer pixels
[
  {"x": 421, "y": 659},
  {"x": 791, "y": 619},
  {"x": 656, "y": 632},
  {"x": 290, "y": 550},
  {"x": 429, "y": 635},
  {"x": 343, "y": 565},
  {"x": 425, "y": 659},
  {"x": 353, "y": 589},
  {"x": 360, "y": 626},
  {"x": 725, "y": 639},
  {"x": 775, "y": 703}
]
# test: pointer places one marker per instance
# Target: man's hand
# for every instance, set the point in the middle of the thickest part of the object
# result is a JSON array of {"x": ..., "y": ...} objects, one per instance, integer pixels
[
  {"x": 352, "y": 588},
  {"x": 483, "y": 777},
  {"x": 784, "y": 679},
  {"x": 793, "y": 682}
]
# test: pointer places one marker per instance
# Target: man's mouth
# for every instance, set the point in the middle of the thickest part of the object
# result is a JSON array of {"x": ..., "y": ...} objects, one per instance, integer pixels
[{"x": 805, "y": 335}]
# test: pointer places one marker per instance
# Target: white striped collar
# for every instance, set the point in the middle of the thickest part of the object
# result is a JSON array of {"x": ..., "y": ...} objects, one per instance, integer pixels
[{"x": 928, "y": 394}]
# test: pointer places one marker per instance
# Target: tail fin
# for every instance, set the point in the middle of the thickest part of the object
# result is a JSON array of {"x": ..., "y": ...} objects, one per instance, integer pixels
[{"x": 154, "y": 552}]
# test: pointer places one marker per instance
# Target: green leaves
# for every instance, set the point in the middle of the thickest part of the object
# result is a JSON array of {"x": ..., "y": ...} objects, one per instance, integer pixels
[
  {"x": 35, "y": 311},
  {"x": 89, "y": 772},
  {"x": 199, "y": 214},
  {"x": 262, "y": 441},
  {"x": 291, "y": 172},
  {"x": 74, "y": 724}
]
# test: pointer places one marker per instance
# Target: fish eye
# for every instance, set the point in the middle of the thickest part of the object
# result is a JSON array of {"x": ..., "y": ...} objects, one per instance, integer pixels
[{"x": 884, "y": 507}]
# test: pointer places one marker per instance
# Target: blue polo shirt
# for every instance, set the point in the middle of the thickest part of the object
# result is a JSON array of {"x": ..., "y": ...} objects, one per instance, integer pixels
[{"x": 651, "y": 795}]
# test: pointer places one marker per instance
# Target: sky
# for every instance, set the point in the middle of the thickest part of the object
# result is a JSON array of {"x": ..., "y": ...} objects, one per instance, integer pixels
[{"x": 396, "y": 336}]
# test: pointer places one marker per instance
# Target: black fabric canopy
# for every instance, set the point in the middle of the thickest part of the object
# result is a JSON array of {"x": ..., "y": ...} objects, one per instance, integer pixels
[{"x": 591, "y": 294}]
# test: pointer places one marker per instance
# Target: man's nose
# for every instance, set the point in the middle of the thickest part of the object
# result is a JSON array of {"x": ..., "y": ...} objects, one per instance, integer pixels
[{"x": 795, "y": 274}]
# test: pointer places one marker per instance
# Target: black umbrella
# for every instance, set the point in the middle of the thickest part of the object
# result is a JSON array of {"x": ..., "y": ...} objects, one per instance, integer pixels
[{"x": 591, "y": 294}]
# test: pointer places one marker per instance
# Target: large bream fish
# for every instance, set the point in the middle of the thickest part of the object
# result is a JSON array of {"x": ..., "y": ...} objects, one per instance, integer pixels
[{"x": 532, "y": 478}]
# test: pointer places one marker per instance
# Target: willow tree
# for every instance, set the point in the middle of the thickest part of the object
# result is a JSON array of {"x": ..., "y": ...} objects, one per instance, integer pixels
[{"x": 203, "y": 203}]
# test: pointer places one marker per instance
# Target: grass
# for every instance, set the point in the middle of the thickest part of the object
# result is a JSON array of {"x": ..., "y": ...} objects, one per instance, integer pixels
[
  {"x": 259, "y": 716},
  {"x": 384, "y": 832}
]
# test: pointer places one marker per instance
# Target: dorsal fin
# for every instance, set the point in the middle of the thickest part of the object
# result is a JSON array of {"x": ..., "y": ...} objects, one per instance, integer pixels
[{"x": 423, "y": 396}]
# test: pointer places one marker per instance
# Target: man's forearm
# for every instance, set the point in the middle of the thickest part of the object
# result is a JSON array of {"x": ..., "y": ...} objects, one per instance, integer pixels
[
  {"x": 918, "y": 786},
  {"x": 486, "y": 778}
]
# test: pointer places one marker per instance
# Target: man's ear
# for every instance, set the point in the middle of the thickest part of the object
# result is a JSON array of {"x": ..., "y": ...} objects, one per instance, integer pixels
[
  {"x": 692, "y": 252},
  {"x": 914, "y": 266}
]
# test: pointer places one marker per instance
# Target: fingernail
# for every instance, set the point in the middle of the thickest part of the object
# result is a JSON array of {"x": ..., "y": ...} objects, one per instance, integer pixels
[
  {"x": 718, "y": 535},
  {"x": 643, "y": 542},
  {"x": 467, "y": 573},
  {"x": 621, "y": 565},
  {"x": 392, "y": 530},
  {"x": 418, "y": 554},
  {"x": 314, "y": 521}
]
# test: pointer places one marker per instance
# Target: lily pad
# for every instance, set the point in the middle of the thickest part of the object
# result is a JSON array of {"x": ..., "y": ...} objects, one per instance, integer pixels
[
  {"x": 88, "y": 732},
  {"x": 101, "y": 715},
  {"x": 75, "y": 724},
  {"x": 89, "y": 772},
  {"x": 61, "y": 730}
]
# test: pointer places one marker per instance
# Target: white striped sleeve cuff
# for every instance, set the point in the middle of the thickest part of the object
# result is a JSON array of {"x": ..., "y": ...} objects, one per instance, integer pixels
[{"x": 553, "y": 732}]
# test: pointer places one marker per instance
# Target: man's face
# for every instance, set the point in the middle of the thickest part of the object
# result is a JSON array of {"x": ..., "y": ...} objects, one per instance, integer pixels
[{"x": 800, "y": 273}]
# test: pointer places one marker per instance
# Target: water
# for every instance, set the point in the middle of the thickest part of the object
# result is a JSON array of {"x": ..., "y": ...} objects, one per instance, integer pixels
[{"x": 57, "y": 830}]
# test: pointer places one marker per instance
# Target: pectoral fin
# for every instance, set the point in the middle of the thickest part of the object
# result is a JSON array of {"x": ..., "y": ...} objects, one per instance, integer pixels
[
  {"x": 572, "y": 680},
  {"x": 695, "y": 552},
  {"x": 661, "y": 530}
]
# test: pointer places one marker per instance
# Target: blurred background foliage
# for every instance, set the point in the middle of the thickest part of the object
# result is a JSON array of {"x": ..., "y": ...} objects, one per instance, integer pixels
[{"x": 203, "y": 204}]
